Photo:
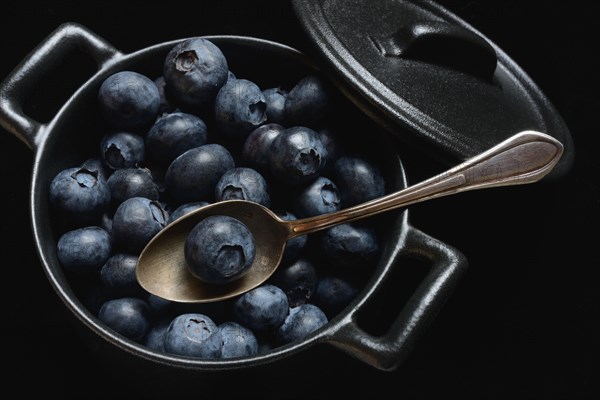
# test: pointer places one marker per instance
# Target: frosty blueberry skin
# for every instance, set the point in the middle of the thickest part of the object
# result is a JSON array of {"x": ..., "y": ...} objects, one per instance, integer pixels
[
  {"x": 167, "y": 104},
  {"x": 136, "y": 221},
  {"x": 81, "y": 195},
  {"x": 238, "y": 341},
  {"x": 96, "y": 164},
  {"x": 307, "y": 102},
  {"x": 243, "y": 183},
  {"x": 194, "y": 70},
  {"x": 193, "y": 335},
  {"x": 125, "y": 183},
  {"x": 257, "y": 146},
  {"x": 193, "y": 175},
  {"x": 84, "y": 250},
  {"x": 334, "y": 145},
  {"x": 358, "y": 179},
  {"x": 298, "y": 280},
  {"x": 155, "y": 338},
  {"x": 240, "y": 107},
  {"x": 297, "y": 156},
  {"x": 160, "y": 308},
  {"x": 321, "y": 196},
  {"x": 172, "y": 134},
  {"x": 230, "y": 77},
  {"x": 219, "y": 249},
  {"x": 129, "y": 100},
  {"x": 350, "y": 247},
  {"x": 118, "y": 275},
  {"x": 300, "y": 322},
  {"x": 186, "y": 208},
  {"x": 333, "y": 293},
  {"x": 122, "y": 150},
  {"x": 129, "y": 316},
  {"x": 275, "y": 100},
  {"x": 261, "y": 309}
]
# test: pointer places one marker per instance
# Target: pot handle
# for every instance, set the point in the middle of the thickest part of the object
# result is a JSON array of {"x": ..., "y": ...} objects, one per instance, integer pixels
[
  {"x": 388, "y": 351},
  {"x": 15, "y": 89}
]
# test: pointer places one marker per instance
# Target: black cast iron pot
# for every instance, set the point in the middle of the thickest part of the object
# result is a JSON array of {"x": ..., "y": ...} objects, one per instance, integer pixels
[{"x": 416, "y": 272}]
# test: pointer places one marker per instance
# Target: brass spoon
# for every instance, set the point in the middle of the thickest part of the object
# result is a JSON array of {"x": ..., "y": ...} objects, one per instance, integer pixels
[{"x": 161, "y": 269}]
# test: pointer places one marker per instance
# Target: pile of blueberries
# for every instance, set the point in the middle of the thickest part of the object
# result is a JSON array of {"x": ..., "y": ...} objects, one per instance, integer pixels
[{"x": 199, "y": 134}]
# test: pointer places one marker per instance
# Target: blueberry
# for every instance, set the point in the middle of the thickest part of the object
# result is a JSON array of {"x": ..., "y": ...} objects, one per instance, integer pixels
[
  {"x": 125, "y": 183},
  {"x": 297, "y": 155},
  {"x": 307, "y": 103},
  {"x": 230, "y": 76},
  {"x": 158, "y": 171},
  {"x": 160, "y": 308},
  {"x": 333, "y": 293},
  {"x": 219, "y": 249},
  {"x": 350, "y": 246},
  {"x": 167, "y": 104},
  {"x": 298, "y": 280},
  {"x": 358, "y": 180},
  {"x": 256, "y": 147},
  {"x": 334, "y": 145},
  {"x": 96, "y": 165},
  {"x": 294, "y": 246},
  {"x": 275, "y": 99},
  {"x": 238, "y": 341},
  {"x": 122, "y": 150},
  {"x": 128, "y": 316},
  {"x": 193, "y": 175},
  {"x": 240, "y": 107},
  {"x": 84, "y": 250},
  {"x": 136, "y": 221},
  {"x": 193, "y": 335},
  {"x": 265, "y": 344},
  {"x": 243, "y": 183},
  {"x": 261, "y": 309},
  {"x": 194, "y": 71},
  {"x": 186, "y": 208},
  {"x": 301, "y": 322},
  {"x": 106, "y": 222},
  {"x": 321, "y": 196},
  {"x": 118, "y": 275},
  {"x": 158, "y": 163},
  {"x": 173, "y": 134},
  {"x": 129, "y": 100},
  {"x": 155, "y": 338},
  {"x": 81, "y": 195}
]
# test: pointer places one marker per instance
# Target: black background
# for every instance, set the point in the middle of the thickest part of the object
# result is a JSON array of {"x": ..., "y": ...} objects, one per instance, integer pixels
[{"x": 522, "y": 324}]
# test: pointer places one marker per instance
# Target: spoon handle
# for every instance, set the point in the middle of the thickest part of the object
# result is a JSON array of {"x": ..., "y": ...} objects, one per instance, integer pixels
[{"x": 525, "y": 157}]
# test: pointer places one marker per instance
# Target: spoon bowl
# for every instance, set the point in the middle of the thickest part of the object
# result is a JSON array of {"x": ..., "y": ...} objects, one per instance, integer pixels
[
  {"x": 162, "y": 268},
  {"x": 525, "y": 157}
]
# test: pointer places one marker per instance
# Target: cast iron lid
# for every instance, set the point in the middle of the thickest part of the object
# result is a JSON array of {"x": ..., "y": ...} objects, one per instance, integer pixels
[{"x": 428, "y": 76}]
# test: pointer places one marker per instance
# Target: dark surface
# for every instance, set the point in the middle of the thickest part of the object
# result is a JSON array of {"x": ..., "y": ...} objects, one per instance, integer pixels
[{"x": 523, "y": 323}]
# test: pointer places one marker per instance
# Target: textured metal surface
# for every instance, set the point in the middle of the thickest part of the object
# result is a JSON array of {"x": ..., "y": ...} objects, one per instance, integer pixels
[{"x": 428, "y": 76}]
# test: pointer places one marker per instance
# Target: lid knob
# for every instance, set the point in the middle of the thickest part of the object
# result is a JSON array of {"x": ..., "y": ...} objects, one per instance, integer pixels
[{"x": 443, "y": 44}]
